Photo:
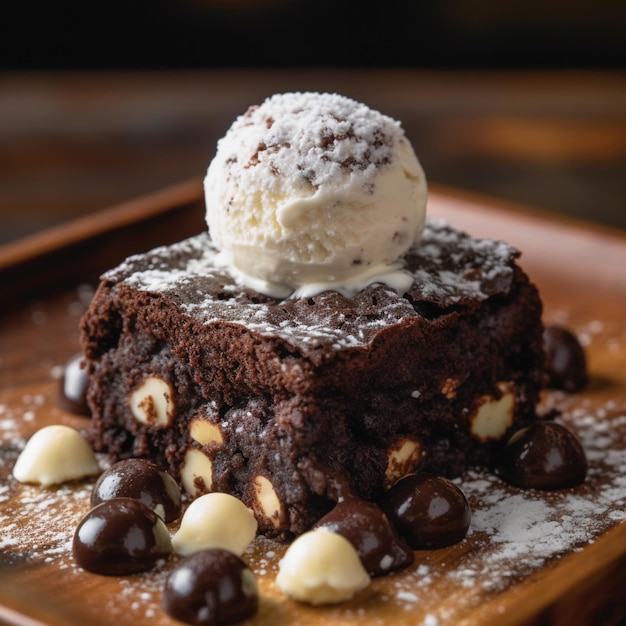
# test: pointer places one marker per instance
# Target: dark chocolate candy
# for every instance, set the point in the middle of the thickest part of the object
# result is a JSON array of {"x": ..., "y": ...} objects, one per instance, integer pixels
[
  {"x": 72, "y": 395},
  {"x": 566, "y": 364},
  {"x": 369, "y": 530},
  {"x": 429, "y": 511},
  {"x": 210, "y": 587},
  {"x": 143, "y": 480},
  {"x": 121, "y": 536},
  {"x": 545, "y": 455}
]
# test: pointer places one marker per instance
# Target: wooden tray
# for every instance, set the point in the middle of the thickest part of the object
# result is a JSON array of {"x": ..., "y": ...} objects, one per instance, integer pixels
[{"x": 530, "y": 558}]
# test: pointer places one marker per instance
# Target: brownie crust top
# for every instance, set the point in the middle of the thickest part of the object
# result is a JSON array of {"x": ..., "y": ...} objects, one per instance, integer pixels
[{"x": 451, "y": 270}]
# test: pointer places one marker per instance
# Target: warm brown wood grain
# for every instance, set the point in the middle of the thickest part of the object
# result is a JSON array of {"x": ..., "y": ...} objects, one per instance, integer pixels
[
  {"x": 579, "y": 270},
  {"x": 61, "y": 256}
]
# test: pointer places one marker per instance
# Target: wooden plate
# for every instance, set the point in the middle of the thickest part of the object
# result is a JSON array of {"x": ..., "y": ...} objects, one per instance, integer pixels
[{"x": 530, "y": 557}]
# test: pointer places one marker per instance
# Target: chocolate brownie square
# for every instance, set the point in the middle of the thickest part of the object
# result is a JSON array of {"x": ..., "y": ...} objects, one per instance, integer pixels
[{"x": 292, "y": 404}]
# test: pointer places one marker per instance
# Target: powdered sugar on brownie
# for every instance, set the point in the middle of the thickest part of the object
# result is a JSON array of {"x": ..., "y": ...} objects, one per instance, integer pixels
[{"x": 448, "y": 268}]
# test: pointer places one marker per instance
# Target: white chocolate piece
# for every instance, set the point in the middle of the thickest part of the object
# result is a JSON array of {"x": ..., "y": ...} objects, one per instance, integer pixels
[
  {"x": 267, "y": 502},
  {"x": 494, "y": 417},
  {"x": 215, "y": 520},
  {"x": 197, "y": 467},
  {"x": 54, "y": 455},
  {"x": 321, "y": 567},
  {"x": 403, "y": 457},
  {"x": 204, "y": 432},
  {"x": 152, "y": 402}
]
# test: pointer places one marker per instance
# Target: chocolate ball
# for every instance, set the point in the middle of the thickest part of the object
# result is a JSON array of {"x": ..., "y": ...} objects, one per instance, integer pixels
[
  {"x": 143, "y": 480},
  {"x": 565, "y": 363},
  {"x": 209, "y": 587},
  {"x": 121, "y": 536},
  {"x": 369, "y": 530},
  {"x": 429, "y": 511},
  {"x": 72, "y": 393},
  {"x": 545, "y": 455}
]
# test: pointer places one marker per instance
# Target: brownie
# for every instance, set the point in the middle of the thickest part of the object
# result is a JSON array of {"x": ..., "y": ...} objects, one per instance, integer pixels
[{"x": 292, "y": 404}]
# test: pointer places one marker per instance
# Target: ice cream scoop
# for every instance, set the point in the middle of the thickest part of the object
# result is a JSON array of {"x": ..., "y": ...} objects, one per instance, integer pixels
[{"x": 314, "y": 191}]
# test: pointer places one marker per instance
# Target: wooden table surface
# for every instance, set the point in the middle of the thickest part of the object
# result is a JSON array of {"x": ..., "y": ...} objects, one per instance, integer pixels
[
  {"x": 74, "y": 143},
  {"x": 530, "y": 559}
]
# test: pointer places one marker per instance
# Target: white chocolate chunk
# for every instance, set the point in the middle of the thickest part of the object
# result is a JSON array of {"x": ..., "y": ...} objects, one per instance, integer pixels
[
  {"x": 204, "y": 432},
  {"x": 54, "y": 455},
  {"x": 215, "y": 520},
  {"x": 403, "y": 457},
  {"x": 267, "y": 502},
  {"x": 321, "y": 567},
  {"x": 152, "y": 402},
  {"x": 197, "y": 468},
  {"x": 494, "y": 417}
]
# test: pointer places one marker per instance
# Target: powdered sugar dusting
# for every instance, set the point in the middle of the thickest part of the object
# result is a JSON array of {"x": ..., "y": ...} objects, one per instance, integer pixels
[
  {"x": 309, "y": 138},
  {"x": 448, "y": 268},
  {"x": 513, "y": 532}
]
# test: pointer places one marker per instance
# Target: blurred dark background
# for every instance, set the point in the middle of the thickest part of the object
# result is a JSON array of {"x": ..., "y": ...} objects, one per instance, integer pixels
[
  {"x": 100, "y": 102},
  {"x": 167, "y": 34}
]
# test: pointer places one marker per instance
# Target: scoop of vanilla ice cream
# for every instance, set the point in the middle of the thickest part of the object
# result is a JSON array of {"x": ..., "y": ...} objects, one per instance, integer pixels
[{"x": 314, "y": 191}]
